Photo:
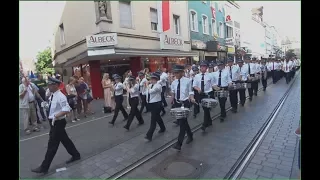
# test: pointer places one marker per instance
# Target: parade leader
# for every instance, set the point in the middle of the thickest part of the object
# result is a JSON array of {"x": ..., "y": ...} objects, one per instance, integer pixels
[{"x": 58, "y": 109}]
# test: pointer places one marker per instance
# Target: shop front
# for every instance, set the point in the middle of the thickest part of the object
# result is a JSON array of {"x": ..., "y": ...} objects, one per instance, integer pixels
[
  {"x": 198, "y": 47},
  {"x": 215, "y": 51}
]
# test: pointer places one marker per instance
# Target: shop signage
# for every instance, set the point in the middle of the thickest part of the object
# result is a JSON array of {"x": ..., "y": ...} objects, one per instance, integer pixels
[
  {"x": 100, "y": 40},
  {"x": 231, "y": 50},
  {"x": 196, "y": 44},
  {"x": 213, "y": 54},
  {"x": 230, "y": 41},
  {"x": 228, "y": 18},
  {"x": 222, "y": 48},
  {"x": 171, "y": 42}
]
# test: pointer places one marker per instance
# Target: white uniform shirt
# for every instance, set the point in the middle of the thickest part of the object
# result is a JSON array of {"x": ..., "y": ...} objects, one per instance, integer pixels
[
  {"x": 23, "y": 102},
  {"x": 164, "y": 79},
  {"x": 207, "y": 82},
  {"x": 251, "y": 70},
  {"x": 278, "y": 66},
  {"x": 154, "y": 93},
  {"x": 142, "y": 86},
  {"x": 234, "y": 72},
  {"x": 215, "y": 68},
  {"x": 287, "y": 66},
  {"x": 58, "y": 103},
  {"x": 134, "y": 91},
  {"x": 257, "y": 67},
  {"x": 263, "y": 70},
  {"x": 243, "y": 71},
  {"x": 273, "y": 66},
  {"x": 225, "y": 78},
  {"x": 185, "y": 88},
  {"x": 118, "y": 89}
]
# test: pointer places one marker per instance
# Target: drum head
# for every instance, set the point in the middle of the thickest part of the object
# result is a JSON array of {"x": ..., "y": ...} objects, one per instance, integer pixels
[{"x": 179, "y": 109}]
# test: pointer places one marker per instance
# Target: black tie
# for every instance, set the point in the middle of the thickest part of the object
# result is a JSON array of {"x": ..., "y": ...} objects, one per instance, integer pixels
[
  {"x": 230, "y": 73},
  {"x": 139, "y": 87},
  {"x": 249, "y": 68},
  {"x": 219, "y": 81},
  {"x": 178, "y": 90},
  {"x": 149, "y": 94},
  {"x": 130, "y": 93},
  {"x": 202, "y": 83},
  {"x": 50, "y": 104}
]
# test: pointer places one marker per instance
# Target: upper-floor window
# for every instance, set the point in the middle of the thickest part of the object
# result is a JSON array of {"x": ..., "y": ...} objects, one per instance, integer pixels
[
  {"x": 154, "y": 19},
  {"x": 193, "y": 21},
  {"x": 176, "y": 22},
  {"x": 221, "y": 30},
  {"x": 205, "y": 25},
  {"x": 62, "y": 37},
  {"x": 125, "y": 14},
  {"x": 229, "y": 32},
  {"x": 213, "y": 26}
]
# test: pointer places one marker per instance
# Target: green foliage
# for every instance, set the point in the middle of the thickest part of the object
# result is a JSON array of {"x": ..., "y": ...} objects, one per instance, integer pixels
[
  {"x": 290, "y": 53},
  {"x": 44, "y": 61}
]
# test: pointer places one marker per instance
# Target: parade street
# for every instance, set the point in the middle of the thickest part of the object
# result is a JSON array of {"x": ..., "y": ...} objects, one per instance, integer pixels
[{"x": 106, "y": 150}]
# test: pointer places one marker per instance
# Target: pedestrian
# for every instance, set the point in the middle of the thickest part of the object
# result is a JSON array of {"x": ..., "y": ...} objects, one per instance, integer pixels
[
  {"x": 155, "y": 104},
  {"x": 250, "y": 67},
  {"x": 72, "y": 97},
  {"x": 58, "y": 109},
  {"x": 118, "y": 97},
  {"x": 106, "y": 85},
  {"x": 133, "y": 93},
  {"x": 182, "y": 93},
  {"x": 163, "y": 81},
  {"x": 163, "y": 111}
]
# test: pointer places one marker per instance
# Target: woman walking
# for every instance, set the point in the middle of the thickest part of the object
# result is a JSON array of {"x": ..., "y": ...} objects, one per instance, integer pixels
[
  {"x": 72, "y": 98},
  {"x": 133, "y": 91},
  {"x": 106, "y": 85}
]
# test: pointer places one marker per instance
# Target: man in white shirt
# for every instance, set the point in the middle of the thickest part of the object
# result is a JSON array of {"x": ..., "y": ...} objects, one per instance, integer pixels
[
  {"x": 273, "y": 68},
  {"x": 264, "y": 75},
  {"x": 155, "y": 104},
  {"x": 243, "y": 71},
  {"x": 257, "y": 73},
  {"x": 196, "y": 106},
  {"x": 163, "y": 82},
  {"x": 293, "y": 70},
  {"x": 221, "y": 81},
  {"x": 250, "y": 67},
  {"x": 142, "y": 88},
  {"x": 287, "y": 66},
  {"x": 234, "y": 73},
  {"x": 58, "y": 109},
  {"x": 269, "y": 73},
  {"x": 181, "y": 92}
]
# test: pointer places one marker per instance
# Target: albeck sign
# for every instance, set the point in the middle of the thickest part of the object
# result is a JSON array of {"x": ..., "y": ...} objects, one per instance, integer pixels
[
  {"x": 101, "y": 40},
  {"x": 171, "y": 42}
]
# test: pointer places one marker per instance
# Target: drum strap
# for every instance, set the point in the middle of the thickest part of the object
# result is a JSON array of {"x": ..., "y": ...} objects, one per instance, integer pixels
[
  {"x": 178, "y": 90},
  {"x": 149, "y": 94},
  {"x": 202, "y": 83}
]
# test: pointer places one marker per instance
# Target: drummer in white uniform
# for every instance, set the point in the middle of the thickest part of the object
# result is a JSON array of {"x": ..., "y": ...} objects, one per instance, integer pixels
[
  {"x": 234, "y": 75},
  {"x": 221, "y": 81},
  {"x": 243, "y": 72},
  {"x": 181, "y": 89},
  {"x": 196, "y": 107},
  {"x": 203, "y": 84},
  {"x": 256, "y": 69}
]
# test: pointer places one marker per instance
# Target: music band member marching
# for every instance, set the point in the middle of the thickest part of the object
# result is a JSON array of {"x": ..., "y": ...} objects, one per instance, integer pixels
[
  {"x": 287, "y": 66},
  {"x": 58, "y": 109},
  {"x": 221, "y": 81},
  {"x": 256, "y": 68},
  {"x": 264, "y": 74},
  {"x": 196, "y": 106},
  {"x": 181, "y": 89},
  {"x": 142, "y": 90},
  {"x": 243, "y": 72},
  {"x": 250, "y": 67},
  {"x": 234, "y": 73},
  {"x": 155, "y": 104},
  {"x": 161, "y": 82},
  {"x": 203, "y": 84},
  {"x": 118, "y": 97},
  {"x": 133, "y": 92}
]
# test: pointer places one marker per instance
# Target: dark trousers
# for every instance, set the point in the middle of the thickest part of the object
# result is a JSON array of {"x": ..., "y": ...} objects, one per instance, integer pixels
[
  {"x": 222, "y": 104},
  {"x": 242, "y": 96},
  {"x": 255, "y": 87},
  {"x": 250, "y": 90},
  {"x": 288, "y": 77},
  {"x": 184, "y": 125},
  {"x": 233, "y": 95},
  {"x": 134, "y": 111},
  {"x": 196, "y": 108},
  {"x": 269, "y": 74},
  {"x": 58, "y": 134},
  {"x": 274, "y": 76},
  {"x": 143, "y": 103},
  {"x": 264, "y": 83},
  {"x": 119, "y": 107},
  {"x": 155, "y": 109},
  {"x": 207, "y": 121},
  {"x": 163, "y": 98}
]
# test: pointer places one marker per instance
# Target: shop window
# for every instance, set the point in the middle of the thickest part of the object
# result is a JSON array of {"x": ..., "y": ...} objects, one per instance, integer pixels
[
  {"x": 177, "y": 60},
  {"x": 176, "y": 20},
  {"x": 154, "y": 19},
  {"x": 229, "y": 32},
  {"x": 154, "y": 63},
  {"x": 193, "y": 21},
  {"x": 125, "y": 14},
  {"x": 205, "y": 26}
]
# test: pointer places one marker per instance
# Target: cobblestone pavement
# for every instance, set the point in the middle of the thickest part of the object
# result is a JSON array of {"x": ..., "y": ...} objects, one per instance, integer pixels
[
  {"x": 275, "y": 157},
  {"x": 132, "y": 147},
  {"x": 214, "y": 153}
]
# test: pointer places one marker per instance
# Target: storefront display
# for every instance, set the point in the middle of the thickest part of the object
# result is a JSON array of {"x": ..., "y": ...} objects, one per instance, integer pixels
[
  {"x": 175, "y": 60},
  {"x": 154, "y": 63}
]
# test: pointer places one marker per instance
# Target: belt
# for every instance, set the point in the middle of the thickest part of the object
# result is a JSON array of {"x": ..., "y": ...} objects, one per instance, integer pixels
[
  {"x": 57, "y": 119},
  {"x": 31, "y": 102}
]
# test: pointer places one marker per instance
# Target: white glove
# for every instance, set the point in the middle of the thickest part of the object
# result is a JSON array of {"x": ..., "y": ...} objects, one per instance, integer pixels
[
  {"x": 53, "y": 120},
  {"x": 215, "y": 87}
]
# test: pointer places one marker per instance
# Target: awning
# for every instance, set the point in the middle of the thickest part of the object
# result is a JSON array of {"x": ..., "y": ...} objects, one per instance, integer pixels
[{"x": 112, "y": 53}]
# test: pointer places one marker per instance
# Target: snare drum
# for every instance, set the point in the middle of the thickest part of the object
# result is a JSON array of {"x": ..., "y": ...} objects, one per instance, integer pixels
[
  {"x": 221, "y": 94},
  {"x": 179, "y": 113},
  {"x": 209, "y": 103},
  {"x": 248, "y": 85},
  {"x": 233, "y": 86},
  {"x": 257, "y": 77},
  {"x": 243, "y": 85}
]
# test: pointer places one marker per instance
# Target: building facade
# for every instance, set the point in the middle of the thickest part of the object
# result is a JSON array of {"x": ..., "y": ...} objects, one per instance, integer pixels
[
  {"x": 115, "y": 36},
  {"x": 268, "y": 39}
]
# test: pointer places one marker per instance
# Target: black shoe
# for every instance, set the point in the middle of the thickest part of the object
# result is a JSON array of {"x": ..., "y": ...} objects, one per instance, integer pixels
[
  {"x": 163, "y": 113},
  {"x": 189, "y": 140},
  {"x": 210, "y": 124},
  {"x": 177, "y": 147},
  {"x": 203, "y": 128},
  {"x": 73, "y": 159},
  {"x": 221, "y": 119},
  {"x": 256, "y": 94},
  {"x": 147, "y": 138},
  {"x": 126, "y": 127},
  {"x": 264, "y": 89},
  {"x": 234, "y": 110},
  {"x": 162, "y": 131},
  {"x": 176, "y": 122},
  {"x": 111, "y": 122},
  {"x": 141, "y": 122},
  {"x": 242, "y": 104},
  {"x": 39, "y": 170}
]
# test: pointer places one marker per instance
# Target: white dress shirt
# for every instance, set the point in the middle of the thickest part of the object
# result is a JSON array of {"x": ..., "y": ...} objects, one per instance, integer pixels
[
  {"x": 278, "y": 66},
  {"x": 273, "y": 66},
  {"x": 164, "y": 79},
  {"x": 225, "y": 78},
  {"x": 134, "y": 91},
  {"x": 30, "y": 91},
  {"x": 154, "y": 93},
  {"x": 118, "y": 89},
  {"x": 234, "y": 72},
  {"x": 23, "y": 102},
  {"x": 142, "y": 86},
  {"x": 207, "y": 82},
  {"x": 287, "y": 66},
  {"x": 185, "y": 88},
  {"x": 58, "y": 103},
  {"x": 263, "y": 70},
  {"x": 243, "y": 73},
  {"x": 257, "y": 67},
  {"x": 215, "y": 68},
  {"x": 250, "y": 68}
]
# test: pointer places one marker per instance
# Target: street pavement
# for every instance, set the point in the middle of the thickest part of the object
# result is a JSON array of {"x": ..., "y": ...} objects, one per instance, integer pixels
[{"x": 107, "y": 150}]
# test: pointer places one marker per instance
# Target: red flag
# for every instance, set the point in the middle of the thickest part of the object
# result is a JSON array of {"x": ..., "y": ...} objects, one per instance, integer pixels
[{"x": 165, "y": 15}]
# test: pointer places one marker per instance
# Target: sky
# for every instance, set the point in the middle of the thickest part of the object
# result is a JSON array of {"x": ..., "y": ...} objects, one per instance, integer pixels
[{"x": 39, "y": 20}]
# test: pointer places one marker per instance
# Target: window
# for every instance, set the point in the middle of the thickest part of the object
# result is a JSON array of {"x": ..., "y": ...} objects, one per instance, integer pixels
[
  {"x": 176, "y": 21},
  {"x": 125, "y": 14},
  {"x": 205, "y": 26},
  {"x": 221, "y": 30},
  {"x": 193, "y": 21},
  {"x": 62, "y": 38},
  {"x": 154, "y": 19},
  {"x": 229, "y": 32},
  {"x": 213, "y": 26}
]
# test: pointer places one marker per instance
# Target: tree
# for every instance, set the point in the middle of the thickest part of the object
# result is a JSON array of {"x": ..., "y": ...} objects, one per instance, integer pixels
[
  {"x": 290, "y": 53},
  {"x": 44, "y": 61}
]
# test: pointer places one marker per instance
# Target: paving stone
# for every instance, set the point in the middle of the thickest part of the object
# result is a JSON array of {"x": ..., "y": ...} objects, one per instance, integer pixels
[
  {"x": 264, "y": 174},
  {"x": 272, "y": 156},
  {"x": 284, "y": 173},
  {"x": 255, "y": 166},
  {"x": 269, "y": 164},
  {"x": 284, "y": 167},
  {"x": 269, "y": 169},
  {"x": 104, "y": 176},
  {"x": 249, "y": 175},
  {"x": 272, "y": 160}
]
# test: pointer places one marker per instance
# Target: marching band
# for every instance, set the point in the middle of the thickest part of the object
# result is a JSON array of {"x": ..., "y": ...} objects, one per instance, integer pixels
[{"x": 206, "y": 85}]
